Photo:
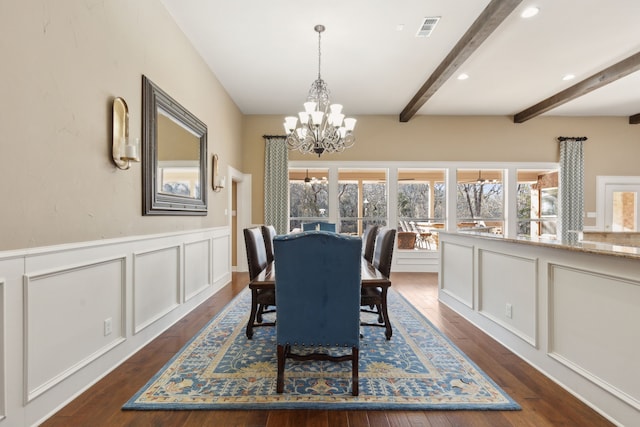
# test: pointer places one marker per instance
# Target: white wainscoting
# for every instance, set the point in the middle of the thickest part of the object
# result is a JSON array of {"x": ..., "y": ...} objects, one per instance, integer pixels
[
  {"x": 415, "y": 261},
  {"x": 3, "y": 347},
  {"x": 197, "y": 268},
  {"x": 65, "y": 310},
  {"x": 156, "y": 285},
  {"x": 507, "y": 290},
  {"x": 79, "y": 310},
  {"x": 457, "y": 262},
  {"x": 574, "y": 315},
  {"x": 583, "y": 340}
]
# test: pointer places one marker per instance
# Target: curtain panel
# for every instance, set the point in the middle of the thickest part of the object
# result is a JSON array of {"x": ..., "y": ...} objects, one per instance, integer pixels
[
  {"x": 571, "y": 188},
  {"x": 276, "y": 183}
]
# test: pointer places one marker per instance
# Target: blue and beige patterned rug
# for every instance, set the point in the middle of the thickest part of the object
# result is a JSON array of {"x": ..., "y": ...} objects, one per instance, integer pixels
[{"x": 419, "y": 369}]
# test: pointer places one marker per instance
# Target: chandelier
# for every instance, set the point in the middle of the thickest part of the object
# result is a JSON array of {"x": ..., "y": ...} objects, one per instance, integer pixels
[{"x": 322, "y": 127}]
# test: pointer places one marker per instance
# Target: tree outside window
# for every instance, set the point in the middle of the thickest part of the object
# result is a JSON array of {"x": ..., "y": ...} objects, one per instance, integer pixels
[
  {"x": 480, "y": 200},
  {"x": 308, "y": 197},
  {"x": 357, "y": 213}
]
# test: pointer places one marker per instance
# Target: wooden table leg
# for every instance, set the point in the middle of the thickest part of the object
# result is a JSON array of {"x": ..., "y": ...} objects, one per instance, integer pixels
[
  {"x": 252, "y": 316},
  {"x": 385, "y": 315}
]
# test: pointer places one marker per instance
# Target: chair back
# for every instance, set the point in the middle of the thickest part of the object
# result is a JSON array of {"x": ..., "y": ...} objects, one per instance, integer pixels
[
  {"x": 383, "y": 253},
  {"x": 268, "y": 233},
  {"x": 369, "y": 242},
  {"x": 318, "y": 288},
  {"x": 328, "y": 226},
  {"x": 256, "y": 252},
  {"x": 319, "y": 225},
  {"x": 309, "y": 226}
]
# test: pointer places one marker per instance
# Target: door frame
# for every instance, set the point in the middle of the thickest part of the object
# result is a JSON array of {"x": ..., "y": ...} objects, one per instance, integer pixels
[{"x": 602, "y": 182}]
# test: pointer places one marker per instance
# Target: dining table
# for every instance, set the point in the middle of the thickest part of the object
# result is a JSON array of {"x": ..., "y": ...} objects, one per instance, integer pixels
[{"x": 370, "y": 277}]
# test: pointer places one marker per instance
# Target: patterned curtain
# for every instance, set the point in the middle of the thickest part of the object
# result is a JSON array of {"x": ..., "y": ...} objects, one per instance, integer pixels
[
  {"x": 571, "y": 187},
  {"x": 276, "y": 183}
]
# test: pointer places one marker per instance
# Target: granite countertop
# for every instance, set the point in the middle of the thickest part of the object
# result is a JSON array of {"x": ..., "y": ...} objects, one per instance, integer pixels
[{"x": 599, "y": 248}]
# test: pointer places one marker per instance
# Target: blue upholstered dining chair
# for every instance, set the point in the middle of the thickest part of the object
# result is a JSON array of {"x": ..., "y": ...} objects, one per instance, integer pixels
[
  {"x": 318, "y": 293},
  {"x": 319, "y": 225}
]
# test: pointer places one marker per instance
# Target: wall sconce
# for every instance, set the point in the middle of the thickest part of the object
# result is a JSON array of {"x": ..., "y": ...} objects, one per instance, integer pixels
[
  {"x": 124, "y": 150},
  {"x": 217, "y": 183}
]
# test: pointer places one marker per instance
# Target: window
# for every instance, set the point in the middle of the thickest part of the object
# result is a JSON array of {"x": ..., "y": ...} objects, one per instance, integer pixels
[
  {"x": 421, "y": 208},
  {"x": 537, "y": 203},
  {"x": 480, "y": 200},
  {"x": 362, "y": 199},
  {"x": 476, "y": 200},
  {"x": 308, "y": 196}
]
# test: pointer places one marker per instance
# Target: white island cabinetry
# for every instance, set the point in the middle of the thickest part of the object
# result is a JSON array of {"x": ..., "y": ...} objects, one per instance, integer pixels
[{"x": 572, "y": 311}]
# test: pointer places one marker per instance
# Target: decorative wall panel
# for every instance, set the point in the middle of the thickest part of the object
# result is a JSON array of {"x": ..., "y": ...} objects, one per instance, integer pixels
[
  {"x": 222, "y": 258},
  {"x": 457, "y": 261},
  {"x": 156, "y": 285},
  {"x": 507, "y": 289},
  {"x": 65, "y": 313},
  {"x": 579, "y": 300},
  {"x": 197, "y": 267}
]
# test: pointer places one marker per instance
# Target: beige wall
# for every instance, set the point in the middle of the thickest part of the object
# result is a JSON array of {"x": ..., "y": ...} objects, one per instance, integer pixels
[
  {"x": 62, "y": 65},
  {"x": 64, "y": 62},
  {"x": 613, "y": 147}
]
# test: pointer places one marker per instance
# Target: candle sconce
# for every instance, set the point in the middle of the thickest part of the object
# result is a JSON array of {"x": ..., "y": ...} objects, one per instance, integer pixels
[
  {"x": 217, "y": 183},
  {"x": 124, "y": 149}
]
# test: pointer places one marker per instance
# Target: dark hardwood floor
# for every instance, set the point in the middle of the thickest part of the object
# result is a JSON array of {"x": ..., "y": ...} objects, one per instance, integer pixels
[{"x": 543, "y": 402}]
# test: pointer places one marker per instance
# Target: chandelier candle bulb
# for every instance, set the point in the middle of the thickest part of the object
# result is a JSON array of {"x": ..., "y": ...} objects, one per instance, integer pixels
[
  {"x": 309, "y": 107},
  {"x": 316, "y": 117},
  {"x": 350, "y": 124},
  {"x": 290, "y": 124},
  {"x": 336, "y": 119}
]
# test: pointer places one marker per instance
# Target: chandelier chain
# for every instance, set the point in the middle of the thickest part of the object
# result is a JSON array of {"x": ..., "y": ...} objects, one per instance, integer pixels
[{"x": 319, "y": 53}]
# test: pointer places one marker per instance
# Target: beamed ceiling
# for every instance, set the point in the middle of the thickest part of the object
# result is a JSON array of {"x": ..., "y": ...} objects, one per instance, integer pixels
[{"x": 265, "y": 54}]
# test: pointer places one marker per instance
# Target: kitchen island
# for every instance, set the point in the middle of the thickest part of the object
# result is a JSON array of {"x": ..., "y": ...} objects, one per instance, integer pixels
[{"x": 570, "y": 310}]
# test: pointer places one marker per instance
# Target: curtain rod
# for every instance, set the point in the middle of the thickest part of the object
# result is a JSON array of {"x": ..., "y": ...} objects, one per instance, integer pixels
[{"x": 572, "y": 138}]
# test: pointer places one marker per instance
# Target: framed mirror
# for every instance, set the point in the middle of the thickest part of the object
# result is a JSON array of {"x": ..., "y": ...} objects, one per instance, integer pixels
[{"x": 174, "y": 144}]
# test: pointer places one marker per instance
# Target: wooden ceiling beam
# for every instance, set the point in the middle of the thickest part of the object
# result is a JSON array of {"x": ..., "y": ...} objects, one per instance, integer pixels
[
  {"x": 635, "y": 119},
  {"x": 599, "y": 79},
  {"x": 490, "y": 18}
]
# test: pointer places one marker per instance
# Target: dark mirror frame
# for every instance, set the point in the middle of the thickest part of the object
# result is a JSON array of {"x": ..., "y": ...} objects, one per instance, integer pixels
[{"x": 153, "y": 201}]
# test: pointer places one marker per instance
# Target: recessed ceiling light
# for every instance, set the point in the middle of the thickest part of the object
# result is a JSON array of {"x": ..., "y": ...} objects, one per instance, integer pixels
[
  {"x": 399, "y": 27},
  {"x": 568, "y": 77},
  {"x": 463, "y": 76},
  {"x": 529, "y": 12}
]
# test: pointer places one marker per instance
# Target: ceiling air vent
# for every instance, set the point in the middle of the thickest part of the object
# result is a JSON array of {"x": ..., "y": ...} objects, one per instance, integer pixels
[{"x": 427, "y": 26}]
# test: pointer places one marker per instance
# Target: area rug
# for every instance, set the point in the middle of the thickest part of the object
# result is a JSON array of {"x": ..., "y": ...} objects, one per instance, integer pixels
[{"x": 418, "y": 369}]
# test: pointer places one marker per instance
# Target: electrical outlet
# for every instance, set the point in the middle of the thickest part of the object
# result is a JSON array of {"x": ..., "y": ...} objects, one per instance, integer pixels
[
  {"x": 508, "y": 311},
  {"x": 107, "y": 326}
]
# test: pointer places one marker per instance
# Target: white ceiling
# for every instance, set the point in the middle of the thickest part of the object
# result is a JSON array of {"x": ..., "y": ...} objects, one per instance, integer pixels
[{"x": 265, "y": 53}]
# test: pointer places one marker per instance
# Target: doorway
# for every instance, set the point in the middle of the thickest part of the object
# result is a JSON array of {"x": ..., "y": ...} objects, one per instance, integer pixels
[{"x": 239, "y": 217}]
